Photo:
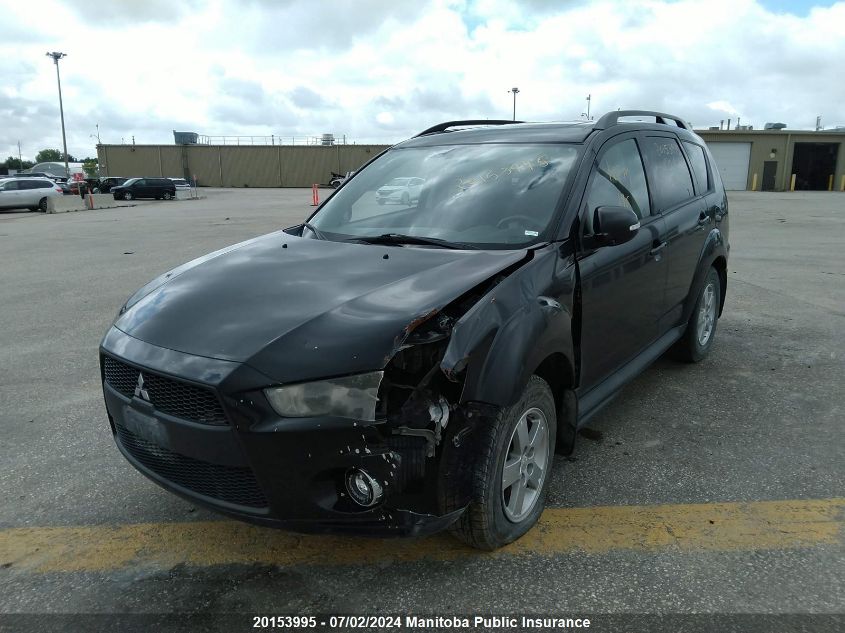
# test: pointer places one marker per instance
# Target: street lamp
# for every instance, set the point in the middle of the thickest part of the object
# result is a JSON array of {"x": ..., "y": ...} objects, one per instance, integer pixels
[
  {"x": 515, "y": 91},
  {"x": 587, "y": 113},
  {"x": 56, "y": 57}
]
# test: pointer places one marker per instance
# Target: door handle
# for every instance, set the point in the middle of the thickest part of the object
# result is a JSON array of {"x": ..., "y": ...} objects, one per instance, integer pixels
[
  {"x": 656, "y": 250},
  {"x": 703, "y": 219}
]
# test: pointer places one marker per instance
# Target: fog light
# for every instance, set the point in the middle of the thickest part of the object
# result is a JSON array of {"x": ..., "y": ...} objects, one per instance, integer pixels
[{"x": 363, "y": 488}]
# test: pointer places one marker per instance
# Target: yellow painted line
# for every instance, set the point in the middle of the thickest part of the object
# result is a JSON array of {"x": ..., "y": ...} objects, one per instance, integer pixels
[{"x": 713, "y": 526}]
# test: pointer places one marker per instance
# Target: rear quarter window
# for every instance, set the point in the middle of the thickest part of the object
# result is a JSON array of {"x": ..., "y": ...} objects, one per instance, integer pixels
[
  {"x": 699, "y": 166},
  {"x": 669, "y": 176}
]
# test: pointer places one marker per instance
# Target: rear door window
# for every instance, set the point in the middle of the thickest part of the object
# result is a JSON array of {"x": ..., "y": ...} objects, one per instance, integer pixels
[
  {"x": 699, "y": 166},
  {"x": 669, "y": 176}
]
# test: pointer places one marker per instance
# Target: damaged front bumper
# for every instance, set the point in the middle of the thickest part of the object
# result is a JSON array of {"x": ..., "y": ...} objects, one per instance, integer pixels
[{"x": 203, "y": 429}]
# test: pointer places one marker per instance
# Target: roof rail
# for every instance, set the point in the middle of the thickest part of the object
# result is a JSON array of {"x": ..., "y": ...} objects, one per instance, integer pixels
[
  {"x": 612, "y": 118},
  {"x": 442, "y": 127}
]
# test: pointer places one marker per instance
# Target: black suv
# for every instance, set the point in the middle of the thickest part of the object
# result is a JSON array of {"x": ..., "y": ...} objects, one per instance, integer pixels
[
  {"x": 106, "y": 184},
  {"x": 157, "y": 188},
  {"x": 398, "y": 370}
]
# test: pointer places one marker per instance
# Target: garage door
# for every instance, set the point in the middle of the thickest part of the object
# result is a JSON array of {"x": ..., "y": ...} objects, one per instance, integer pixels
[{"x": 732, "y": 160}]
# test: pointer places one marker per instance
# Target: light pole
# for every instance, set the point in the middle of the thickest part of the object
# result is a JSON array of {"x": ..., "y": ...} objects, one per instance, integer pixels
[
  {"x": 56, "y": 57},
  {"x": 587, "y": 113},
  {"x": 515, "y": 92}
]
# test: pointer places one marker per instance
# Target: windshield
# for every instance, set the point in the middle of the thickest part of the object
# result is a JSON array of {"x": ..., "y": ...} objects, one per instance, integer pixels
[{"x": 486, "y": 195}]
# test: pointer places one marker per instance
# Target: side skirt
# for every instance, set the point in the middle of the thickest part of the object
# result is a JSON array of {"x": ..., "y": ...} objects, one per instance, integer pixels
[{"x": 599, "y": 396}]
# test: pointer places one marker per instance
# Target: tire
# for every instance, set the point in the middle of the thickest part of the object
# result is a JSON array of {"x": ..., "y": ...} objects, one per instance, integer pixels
[
  {"x": 127, "y": 195},
  {"x": 406, "y": 199},
  {"x": 494, "y": 516},
  {"x": 42, "y": 205},
  {"x": 167, "y": 195},
  {"x": 701, "y": 328}
]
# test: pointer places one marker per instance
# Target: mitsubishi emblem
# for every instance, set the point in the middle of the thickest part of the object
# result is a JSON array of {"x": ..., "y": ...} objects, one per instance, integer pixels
[{"x": 140, "y": 392}]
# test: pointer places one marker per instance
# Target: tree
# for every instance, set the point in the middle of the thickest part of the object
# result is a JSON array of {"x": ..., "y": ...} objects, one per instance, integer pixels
[
  {"x": 14, "y": 163},
  {"x": 89, "y": 166},
  {"x": 49, "y": 156}
]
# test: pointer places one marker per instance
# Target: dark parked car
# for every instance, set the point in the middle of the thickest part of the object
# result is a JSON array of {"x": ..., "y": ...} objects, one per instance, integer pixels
[
  {"x": 157, "y": 188},
  {"x": 385, "y": 370},
  {"x": 106, "y": 184}
]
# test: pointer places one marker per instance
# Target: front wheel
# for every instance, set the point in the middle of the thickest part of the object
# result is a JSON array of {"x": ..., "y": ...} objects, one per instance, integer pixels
[
  {"x": 127, "y": 195},
  {"x": 511, "y": 473},
  {"x": 701, "y": 328}
]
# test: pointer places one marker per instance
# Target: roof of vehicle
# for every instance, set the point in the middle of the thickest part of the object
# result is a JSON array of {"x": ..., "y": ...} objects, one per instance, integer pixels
[
  {"x": 555, "y": 132},
  {"x": 5, "y": 178},
  {"x": 483, "y": 131}
]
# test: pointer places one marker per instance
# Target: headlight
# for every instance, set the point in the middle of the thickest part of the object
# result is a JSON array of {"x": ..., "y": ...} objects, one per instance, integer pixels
[{"x": 348, "y": 397}]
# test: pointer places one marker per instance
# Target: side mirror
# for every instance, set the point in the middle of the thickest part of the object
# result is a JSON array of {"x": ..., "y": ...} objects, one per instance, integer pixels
[{"x": 615, "y": 225}]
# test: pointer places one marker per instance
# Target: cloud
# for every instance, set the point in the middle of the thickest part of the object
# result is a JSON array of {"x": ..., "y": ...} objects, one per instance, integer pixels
[
  {"x": 379, "y": 70},
  {"x": 304, "y": 97}
]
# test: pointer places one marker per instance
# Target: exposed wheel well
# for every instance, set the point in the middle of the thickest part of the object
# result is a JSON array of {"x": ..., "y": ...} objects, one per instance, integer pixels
[
  {"x": 555, "y": 370},
  {"x": 721, "y": 266}
]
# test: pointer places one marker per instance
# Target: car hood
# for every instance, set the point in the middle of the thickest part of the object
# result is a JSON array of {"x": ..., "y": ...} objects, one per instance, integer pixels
[{"x": 298, "y": 309}]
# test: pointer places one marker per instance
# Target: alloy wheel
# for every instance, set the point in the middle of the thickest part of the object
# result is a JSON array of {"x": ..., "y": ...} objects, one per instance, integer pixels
[
  {"x": 525, "y": 465},
  {"x": 706, "y": 314}
]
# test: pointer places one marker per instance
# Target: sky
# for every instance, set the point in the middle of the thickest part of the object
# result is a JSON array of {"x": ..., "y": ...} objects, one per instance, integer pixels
[{"x": 383, "y": 70}]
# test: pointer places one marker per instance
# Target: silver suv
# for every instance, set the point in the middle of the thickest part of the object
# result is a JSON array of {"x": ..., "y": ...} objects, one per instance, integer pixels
[{"x": 27, "y": 193}]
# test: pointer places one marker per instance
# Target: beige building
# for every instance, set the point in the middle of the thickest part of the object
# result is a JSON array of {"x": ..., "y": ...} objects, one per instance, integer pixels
[
  {"x": 766, "y": 160},
  {"x": 236, "y": 165},
  {"x": 762, "y": 160}
]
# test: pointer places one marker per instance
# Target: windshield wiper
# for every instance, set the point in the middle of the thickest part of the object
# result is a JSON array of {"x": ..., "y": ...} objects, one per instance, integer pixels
[
  {"x": 399, "y": 238},
  {"x": 317, "y": 232}
]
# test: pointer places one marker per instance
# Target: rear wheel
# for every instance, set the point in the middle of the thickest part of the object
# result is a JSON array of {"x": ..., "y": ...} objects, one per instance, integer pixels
[
  {"x": 42, "y": 205},
  {"x": 701, "y": 328},
  {"x": 167, "y": 195},
  {"x": 511, "y": 474}
]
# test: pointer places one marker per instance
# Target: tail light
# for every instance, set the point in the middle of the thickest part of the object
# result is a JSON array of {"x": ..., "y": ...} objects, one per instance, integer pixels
[{"x": 59, "y": 189}]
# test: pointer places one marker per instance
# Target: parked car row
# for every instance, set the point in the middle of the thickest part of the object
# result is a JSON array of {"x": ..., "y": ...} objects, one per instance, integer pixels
[{"x": 31, "y": 191}]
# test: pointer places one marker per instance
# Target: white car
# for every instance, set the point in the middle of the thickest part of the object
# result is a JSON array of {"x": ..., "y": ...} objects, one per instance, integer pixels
[
  {"x": 402, "y": 190},
  {"x": 181, "y": 183},
  {"x": 28, "y": 193}
]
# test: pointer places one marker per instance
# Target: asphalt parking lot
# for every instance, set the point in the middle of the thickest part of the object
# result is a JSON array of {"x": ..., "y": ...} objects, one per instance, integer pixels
[{"x": 713, "y": 488}]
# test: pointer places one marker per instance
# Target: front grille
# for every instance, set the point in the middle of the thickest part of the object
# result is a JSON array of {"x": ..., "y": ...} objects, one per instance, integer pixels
[
  {"x": 227, "y": 483},
  {"x": 170, "y": 396}
]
